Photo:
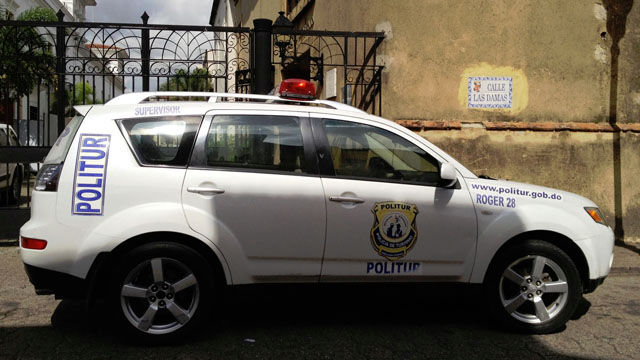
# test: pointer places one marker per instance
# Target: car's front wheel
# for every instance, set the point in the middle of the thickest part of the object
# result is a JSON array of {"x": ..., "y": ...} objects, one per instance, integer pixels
[
  {"x": 161, "y": 291},
  {"x": 533, "y": 286}
]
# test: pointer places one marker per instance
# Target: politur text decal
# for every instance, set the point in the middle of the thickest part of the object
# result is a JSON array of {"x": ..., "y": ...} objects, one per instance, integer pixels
[{"x": 90, "y": 174}]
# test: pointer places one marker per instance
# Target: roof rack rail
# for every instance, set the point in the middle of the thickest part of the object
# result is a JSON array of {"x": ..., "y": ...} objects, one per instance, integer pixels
[
  {"x": 137, "y": 98},
  {"x": 340, "y": 106},
  {"x": 214, "y": 97}
]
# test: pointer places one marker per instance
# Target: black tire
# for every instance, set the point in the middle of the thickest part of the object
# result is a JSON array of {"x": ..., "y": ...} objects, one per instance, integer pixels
[
  {"x": 529, "y": 316},
  {"x": 178, "y": 262}
]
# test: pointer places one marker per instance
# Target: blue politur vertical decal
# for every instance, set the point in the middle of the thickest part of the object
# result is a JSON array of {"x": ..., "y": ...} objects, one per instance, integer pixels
[{"x": 90, "y": 174}]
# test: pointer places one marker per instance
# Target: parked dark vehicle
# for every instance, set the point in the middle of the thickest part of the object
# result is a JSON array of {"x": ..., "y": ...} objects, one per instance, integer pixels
[{"x": 11, "y": 174}]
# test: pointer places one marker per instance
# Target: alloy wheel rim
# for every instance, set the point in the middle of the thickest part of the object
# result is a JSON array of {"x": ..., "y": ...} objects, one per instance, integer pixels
[
  {"x": 159, "y": 295},
  {"x": 533, "y": 289}
]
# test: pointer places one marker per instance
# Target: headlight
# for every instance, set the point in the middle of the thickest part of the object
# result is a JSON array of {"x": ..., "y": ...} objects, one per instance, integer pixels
[{"x": 595, "y": 214}]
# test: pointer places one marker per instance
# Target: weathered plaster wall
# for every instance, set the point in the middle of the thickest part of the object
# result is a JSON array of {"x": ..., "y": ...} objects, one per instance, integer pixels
[
  {"x": 628, "y": 94},
  {"x": 556, "y": 44},
  {"x": 248, "y": 10}
]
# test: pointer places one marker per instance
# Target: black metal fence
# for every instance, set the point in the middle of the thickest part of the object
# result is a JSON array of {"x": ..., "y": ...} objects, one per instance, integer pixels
[
  {"x": 342, "y": 64},
  {"x": 46, "y": 68}
]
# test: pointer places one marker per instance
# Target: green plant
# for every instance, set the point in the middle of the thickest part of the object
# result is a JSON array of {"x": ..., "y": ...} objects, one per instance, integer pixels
[
  {"x": 26, "y": 59},
  {"x": 81, "y": 94},
  {"x": 38, "y": 14},
  {"x": 197, "y": 80}
]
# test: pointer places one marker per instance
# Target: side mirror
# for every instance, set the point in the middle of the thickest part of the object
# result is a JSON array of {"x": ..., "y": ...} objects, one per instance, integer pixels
[{"x": 448, "y": 176}]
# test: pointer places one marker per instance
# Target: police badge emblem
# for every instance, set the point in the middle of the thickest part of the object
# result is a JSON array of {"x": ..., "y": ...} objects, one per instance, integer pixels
[{"x": 394, "y": 230}]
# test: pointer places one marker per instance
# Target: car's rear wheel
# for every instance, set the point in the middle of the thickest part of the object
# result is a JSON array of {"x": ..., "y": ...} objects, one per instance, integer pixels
[
  {"x": 534, "y": 287},
  {"x": 161, "y": 291}
]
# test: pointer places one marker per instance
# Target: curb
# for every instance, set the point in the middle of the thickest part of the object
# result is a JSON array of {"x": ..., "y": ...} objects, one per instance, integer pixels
[
  {"x": 629, "y": 245},
  {"x": 631, "y": 270},
  {"x": 7, "y": 243}
]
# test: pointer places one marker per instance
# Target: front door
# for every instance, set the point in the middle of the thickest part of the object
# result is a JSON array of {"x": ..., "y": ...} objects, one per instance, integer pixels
[
  {"x": 387, "y": 215},
  {"x": 253, "y": 190}
]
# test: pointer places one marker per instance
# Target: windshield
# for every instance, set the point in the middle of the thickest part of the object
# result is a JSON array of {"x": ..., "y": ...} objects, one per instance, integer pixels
[{"x": 59, "y": 150}]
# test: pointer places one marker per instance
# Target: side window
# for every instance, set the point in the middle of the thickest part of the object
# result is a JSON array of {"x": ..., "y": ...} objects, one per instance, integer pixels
[
  {"x": 162, "y": 141},
  {"x": 364, "y": 151},
  {"x": 256, "y": 142},
  {"x": 13, "y": 139},
  {"x": 3, "y": 138}
]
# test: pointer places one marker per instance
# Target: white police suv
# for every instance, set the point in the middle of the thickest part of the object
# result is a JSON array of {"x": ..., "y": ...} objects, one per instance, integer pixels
[{"x": 156, "y": 205}]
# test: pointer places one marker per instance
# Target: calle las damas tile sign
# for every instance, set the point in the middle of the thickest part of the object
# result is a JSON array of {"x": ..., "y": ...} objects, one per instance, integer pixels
[{"x": 489, "y": 92}]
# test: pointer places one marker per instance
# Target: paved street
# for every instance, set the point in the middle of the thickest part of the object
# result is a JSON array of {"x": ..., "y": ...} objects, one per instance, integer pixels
[{"x": 341, "y": 323}]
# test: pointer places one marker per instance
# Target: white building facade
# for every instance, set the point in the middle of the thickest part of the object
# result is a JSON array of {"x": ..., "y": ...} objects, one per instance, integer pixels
[{"x": 37, "y": 122}]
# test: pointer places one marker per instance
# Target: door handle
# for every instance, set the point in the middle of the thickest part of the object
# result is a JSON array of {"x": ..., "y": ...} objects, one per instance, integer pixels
[
  {"x": 346, "y": 199},
  {"x": 204, "y": 190}
]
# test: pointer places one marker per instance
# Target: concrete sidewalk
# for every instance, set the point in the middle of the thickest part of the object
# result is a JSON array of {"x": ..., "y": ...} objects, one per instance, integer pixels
[
  {"x": 8, "y": 242},
  {"x": 626, "y": 259}
]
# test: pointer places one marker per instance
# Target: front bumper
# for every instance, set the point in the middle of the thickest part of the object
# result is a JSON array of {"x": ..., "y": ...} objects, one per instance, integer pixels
[
  {"x": 592, "y": 284},
  {"x": 47, "y": 282}
]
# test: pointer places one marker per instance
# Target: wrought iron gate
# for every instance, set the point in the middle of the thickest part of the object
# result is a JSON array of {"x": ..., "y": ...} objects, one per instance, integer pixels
[
  {"x": 342, "y": 64},
  {"x": 48, "y": 67}
]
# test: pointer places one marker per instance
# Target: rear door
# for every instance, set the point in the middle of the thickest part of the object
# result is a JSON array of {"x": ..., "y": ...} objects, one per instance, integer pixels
[{"x": 253, "y": 188}]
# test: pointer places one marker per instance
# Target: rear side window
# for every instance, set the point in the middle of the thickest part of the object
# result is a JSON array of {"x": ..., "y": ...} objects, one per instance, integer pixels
[
  {"x": 13, "y": 139},
  {"x": 163, "y": 140},
  {"x": 60, "y": 149},
  {"x": 256, "y": 142}
]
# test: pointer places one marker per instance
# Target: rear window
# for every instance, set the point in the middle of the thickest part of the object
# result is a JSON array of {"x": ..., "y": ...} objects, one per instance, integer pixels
[
  {"x": 162, "y": 140},
  {"x": 60, "y": 149}
]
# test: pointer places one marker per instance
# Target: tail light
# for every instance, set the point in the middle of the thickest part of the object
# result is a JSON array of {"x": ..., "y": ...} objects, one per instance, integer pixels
[
  {"x": 48, "y": 176},
  {"x": 33, "y": 244}
]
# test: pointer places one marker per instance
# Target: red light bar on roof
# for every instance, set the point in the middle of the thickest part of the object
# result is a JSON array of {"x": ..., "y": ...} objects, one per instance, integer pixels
[{"x": 297, "y": 89}]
